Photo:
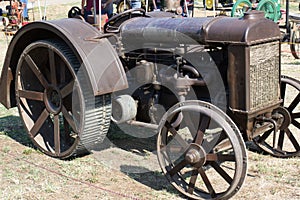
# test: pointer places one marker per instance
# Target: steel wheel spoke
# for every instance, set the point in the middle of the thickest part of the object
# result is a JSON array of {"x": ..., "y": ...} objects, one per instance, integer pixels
[
  {"x": 281, "y": 139},
  {"x": 178, "y": 167},
  {"x": 295, "y": 123},
  {"x": 176, "y": 136},
  {"x": 293, "y": 139},
  {"x": 283, "y": 91},
  {"x": 222, "y": 172},
  {"x": 294, "y": 103},
  {"x": 220, "y": 157},
  {"x": 62, "y": 72},
  {"x": 192, "y": 181},
  {"x": 69, "y": 119},
  {"x": 68, "y": 89},
  {"x": 295, "y": 115},
  {"x": 265, "y": 136},
  {"x": 32, "y": 95},
  {"x": 203, "y": 124},
  {"x": 207, "y": 182},
  {"x": 56, "y": 135},
  {"x": 39, "y": 122},
  {"x": 36, "y": 71},
  {"x": 52, "y": 67}
]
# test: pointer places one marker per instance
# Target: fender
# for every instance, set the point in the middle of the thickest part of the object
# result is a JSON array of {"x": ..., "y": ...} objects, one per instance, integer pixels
[{"x": 99, "y": 59}]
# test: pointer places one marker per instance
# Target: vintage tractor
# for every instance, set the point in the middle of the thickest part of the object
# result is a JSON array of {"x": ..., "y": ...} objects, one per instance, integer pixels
[
  {"x": 12, "y": 21},
  {"x": 204, "y": 85}
]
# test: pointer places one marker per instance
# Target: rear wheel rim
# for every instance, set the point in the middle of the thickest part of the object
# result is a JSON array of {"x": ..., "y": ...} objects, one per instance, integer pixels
[{"x": 62, "y": 116}]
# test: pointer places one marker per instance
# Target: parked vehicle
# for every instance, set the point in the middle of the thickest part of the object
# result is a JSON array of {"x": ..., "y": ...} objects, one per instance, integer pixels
[{"x": 204, "y": 85}]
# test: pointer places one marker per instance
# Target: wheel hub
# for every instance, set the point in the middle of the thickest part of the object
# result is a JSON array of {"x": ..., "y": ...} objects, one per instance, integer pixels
[
  {"x": 53, "y": 100},
  {"x": 285, "y": 117},
  {"x": 196, "y": 155}
]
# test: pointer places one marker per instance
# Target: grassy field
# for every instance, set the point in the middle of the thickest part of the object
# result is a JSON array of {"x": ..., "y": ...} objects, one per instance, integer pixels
[{"x": 26, "y": 173}]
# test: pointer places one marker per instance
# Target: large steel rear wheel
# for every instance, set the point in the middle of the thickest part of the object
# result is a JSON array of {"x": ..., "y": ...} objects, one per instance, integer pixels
[
  {"x": 201, "y": 151},
  {"x": 61, "y": 116}
]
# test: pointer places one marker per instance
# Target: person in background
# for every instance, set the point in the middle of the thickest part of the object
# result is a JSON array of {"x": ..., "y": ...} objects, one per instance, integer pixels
[
  {"x": 24, "y": 9},
  {"x": 106, "y": 7},
  {"x": 156, "y": 5},
  {"x": 135, "y": 3},
  {"x": 190, "y": 7}
]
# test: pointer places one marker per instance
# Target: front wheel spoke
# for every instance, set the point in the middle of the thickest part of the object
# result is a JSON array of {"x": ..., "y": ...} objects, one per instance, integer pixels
[
  {"x": 293, "y": 139},
  {"x": 294, "y": 103},
  {"x": 32, "y": 95},
  {"x": 222, "y": 172},
  {"x": 178, "y": 167},
  {"x": 295, "y": 123},
  {"x": 203, "y": 124},
  {"x": 175, "y": 134},
  {"x": 56, "y": 135},
  {"x": 192, "y": 181},
  {"x": 36, "y": 71},
  {"x": 52, "y": 67},
  {"x": 281, "y": 139},
  {"x": 207, "y": 182},
  {"x": 68, "y": 89},
  {"x": 69, "y": 119},
  {"x": 39, "y": 122},
  {"x": 220, "y": 157},
  {"x": 295, "y": 115},
  {"x": 265, "y": 136}
]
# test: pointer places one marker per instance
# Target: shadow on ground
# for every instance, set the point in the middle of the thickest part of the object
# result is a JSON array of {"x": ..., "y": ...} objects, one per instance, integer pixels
[
  {"x": 154, "y": 180},
  {"x": 12, "y": 127}
]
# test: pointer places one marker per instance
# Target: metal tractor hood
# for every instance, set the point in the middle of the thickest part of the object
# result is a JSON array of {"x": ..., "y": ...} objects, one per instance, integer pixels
[{"x": 251, "y": 29}]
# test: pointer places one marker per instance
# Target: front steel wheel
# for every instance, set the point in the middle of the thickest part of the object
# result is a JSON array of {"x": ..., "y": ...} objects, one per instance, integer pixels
[
  {"x": 285, "y": 142},
  {"x": 201, "y": 151},
  {"x": 61, "y": 117}
]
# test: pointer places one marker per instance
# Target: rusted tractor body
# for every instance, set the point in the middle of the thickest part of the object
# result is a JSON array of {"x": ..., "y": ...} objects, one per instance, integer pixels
[{"x": 204, "y": 84}]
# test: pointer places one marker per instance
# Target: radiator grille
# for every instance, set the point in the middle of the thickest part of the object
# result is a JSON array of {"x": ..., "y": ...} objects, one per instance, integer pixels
[{"x": 264, "y": 75}]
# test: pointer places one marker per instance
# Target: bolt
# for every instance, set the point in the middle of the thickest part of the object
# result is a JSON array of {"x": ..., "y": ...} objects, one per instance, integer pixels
[{"x": 192, "y": 156}]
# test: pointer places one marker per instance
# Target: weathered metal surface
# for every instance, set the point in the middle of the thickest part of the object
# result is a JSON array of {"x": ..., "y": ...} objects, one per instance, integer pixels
[{"x": 243, "y": 31}]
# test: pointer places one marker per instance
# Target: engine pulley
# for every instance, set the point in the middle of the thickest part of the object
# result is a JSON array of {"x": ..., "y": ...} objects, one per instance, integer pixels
[{"x": 123, "y": 109}]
